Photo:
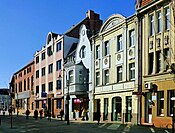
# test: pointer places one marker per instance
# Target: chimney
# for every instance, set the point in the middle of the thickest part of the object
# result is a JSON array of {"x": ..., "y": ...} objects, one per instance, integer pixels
[{"x": 90, "y": 14}]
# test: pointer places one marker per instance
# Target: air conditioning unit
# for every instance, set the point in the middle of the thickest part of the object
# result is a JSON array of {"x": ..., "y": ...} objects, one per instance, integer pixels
[
  {"x": 148, "y": 85},
  {"x": 166, "y": 40}
]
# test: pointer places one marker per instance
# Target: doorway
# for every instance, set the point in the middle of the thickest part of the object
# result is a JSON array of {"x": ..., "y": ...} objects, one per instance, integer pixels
[
  {"x": 148, "y": 107},
  {"x": 116, "y": 109},
  {"x": 128, "y": 115}
]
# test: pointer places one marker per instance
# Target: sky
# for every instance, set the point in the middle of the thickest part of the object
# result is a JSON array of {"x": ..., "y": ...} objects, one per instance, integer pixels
[{"x": 24, "y": 25}]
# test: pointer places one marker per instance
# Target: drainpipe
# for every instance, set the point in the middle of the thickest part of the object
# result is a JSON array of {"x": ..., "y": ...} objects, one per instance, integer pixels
[{"x": 139, "y": 68}]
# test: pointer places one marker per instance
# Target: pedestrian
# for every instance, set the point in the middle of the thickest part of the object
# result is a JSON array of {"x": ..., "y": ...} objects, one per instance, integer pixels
[
  {"x": 61, "y": 113},
  {"x": 83, "y": 114},
  {"x": 36, "y": 114},
  {"x": 49, "y": 115},
  {"x": 10, "y": 111},
  {"x": 41, "y": 113},
  {"x": 98, "y": 117},
  {"x": 3, "y": 111},
  {"x": 27, "y": 113}
]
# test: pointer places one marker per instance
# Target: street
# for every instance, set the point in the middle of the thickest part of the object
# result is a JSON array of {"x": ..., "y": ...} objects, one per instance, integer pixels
[{"x": 22, "y": 125}]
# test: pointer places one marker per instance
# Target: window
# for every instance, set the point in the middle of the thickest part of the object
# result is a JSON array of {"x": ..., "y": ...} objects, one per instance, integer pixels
[
  {"x": 106, "y": 48},
  {"x": 71, "y": 77},
  {"x": 20, "y": 86},
  {"x": 97, "y": 52},
  {"x": 24, "y": 85},
  {"x": 82, "y": 53},
  {"x": 97, "y": 78},
  {"x": 119, "y": 43},
  {"x": 43, "y": 105},
  {"x": 37, "y": 104},
  {"x": 171, "y": 103},
  {"x": 158, "y": 54},
  {"x": 119, "y": 73},
  {"x": 43, "y": 56},
  {"x": 106, "y": 73},
  {"x": 58, "y": 84},
  {"x": 167, "y": 18},
  {"x": 43, "y": 71},
  {"x": 32, "y": 82},
  {"x": 49, "y": 51},
  {"x": 59, "y": 103},
  {"x": 28, "y": 69},
  {"x": 58, "y": 67},
  {"x": 37, "y": 89},
  {"x": 151, "y": 62},
  {"x": 24, "y": 72},
  {"x": 37, "y": 74},
  {"x": 50, "y": 86},
  {"x": 37, "y": 59},
  {"x": 151, "y": 25},
  {"x": 159, "y": 22},
  {"x": 160, "y": 103},
  {"x": 58, "y": 47},
  {"x": 166, "y": 58},
  {"x": 28, "y": 83},
  {"x": 131, "y": 38},
  {"x": 80, "y": 77},
  {"x": 131, "y": 71},
  {"x": 43, "y": 89},
  {"x": 50, "y": 68}
]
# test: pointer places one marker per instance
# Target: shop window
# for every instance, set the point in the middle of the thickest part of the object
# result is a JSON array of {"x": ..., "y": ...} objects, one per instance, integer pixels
[
  {"x": 116, "y": 109},
  {"x": 171, "y": 102},
  {"x": 37, "y": 104},
  {"x": 160, "y": 103},
  {"x": 105, "y": 109}
]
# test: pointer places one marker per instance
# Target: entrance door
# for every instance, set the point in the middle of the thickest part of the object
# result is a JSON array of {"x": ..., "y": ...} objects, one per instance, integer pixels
[
  {"x": 105, "y": 117},
  {"x": 128, "y": 115},
  {"x": 116, "y": 109},
  {"x": 148, "y": 107}
]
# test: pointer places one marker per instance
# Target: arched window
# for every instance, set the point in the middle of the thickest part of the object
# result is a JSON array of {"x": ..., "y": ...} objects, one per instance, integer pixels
[{"x": 82, "y": 53}]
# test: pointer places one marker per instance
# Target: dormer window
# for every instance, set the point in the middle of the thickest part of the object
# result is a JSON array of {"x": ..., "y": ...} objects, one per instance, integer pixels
[{"x": 82, "y": 53}]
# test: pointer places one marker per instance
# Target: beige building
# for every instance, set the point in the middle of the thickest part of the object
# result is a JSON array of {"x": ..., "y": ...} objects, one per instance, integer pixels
[
  {"x": 115, "y": 70},
  {"x": 156, "y": 26}
]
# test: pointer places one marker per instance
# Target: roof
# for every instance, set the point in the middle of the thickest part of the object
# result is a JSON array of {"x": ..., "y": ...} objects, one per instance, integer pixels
[{"x": 145, "y": 2}]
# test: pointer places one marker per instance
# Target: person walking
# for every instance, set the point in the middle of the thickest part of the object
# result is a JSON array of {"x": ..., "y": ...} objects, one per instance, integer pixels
[
  {"x": 61, "y": 113},
  {"x": 27, "y": 113},
  {"x": 36, "y": 114},
  {"x": 41, "y": 113}
]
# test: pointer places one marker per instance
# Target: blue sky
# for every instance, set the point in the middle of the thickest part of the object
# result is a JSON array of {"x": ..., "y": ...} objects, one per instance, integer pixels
[{"x": 24, "y": 25}]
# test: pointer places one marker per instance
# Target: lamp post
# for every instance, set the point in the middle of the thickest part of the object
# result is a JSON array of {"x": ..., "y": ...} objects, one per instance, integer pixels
[{"x": 67, "y": 102}]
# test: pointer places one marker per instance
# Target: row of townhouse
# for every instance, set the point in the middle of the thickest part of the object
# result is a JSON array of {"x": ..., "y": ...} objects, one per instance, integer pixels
[{"x": 122, "y": 69}]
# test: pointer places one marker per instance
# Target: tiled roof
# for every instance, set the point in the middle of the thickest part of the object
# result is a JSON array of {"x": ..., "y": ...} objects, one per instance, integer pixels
[{"x": 145, "y": 2}]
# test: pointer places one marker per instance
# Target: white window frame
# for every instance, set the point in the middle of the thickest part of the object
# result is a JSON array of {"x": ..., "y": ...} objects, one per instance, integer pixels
[
  {"x": 159, "y": 22},
  {"x": 97, "y": 78},
  {"x": 132, "y": 71},
  {"x": 167, "y": 18},
  {"x": 98, "y": 52},
  {"x": 131, "y": 37},
  {"x": 106, "y": 52},
  {"x": 151, "y": 25},
  {"x": 119, "y": 73},
  {"x": 106, "y": 75}
]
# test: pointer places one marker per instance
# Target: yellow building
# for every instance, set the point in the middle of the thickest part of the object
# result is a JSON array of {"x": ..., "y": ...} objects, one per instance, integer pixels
[
  {"x": 156, "y": 24},
  {"x": 115, "y": 70}
]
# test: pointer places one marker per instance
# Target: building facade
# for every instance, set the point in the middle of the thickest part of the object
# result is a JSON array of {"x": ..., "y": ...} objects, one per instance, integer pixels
[
  {"x": 156, "y": 38},
  {"x": 48, "y": 70},
  {"x": 115, "y": 70},
  {"x": 22, "y": 88},
  {"x": 5, "y": 100}
]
